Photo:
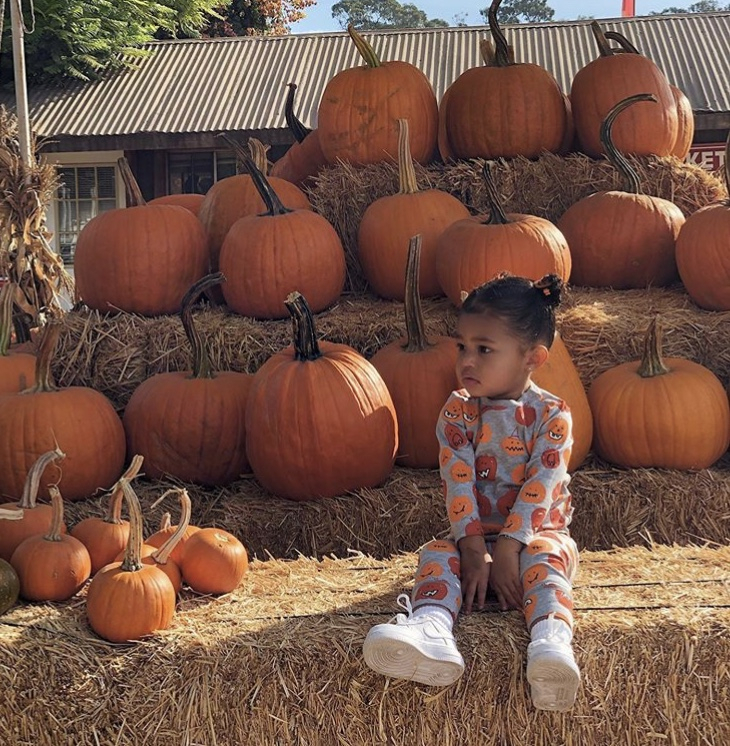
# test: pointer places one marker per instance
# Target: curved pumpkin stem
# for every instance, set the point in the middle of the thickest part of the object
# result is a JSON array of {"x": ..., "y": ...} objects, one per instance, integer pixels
[
  {"x": 134, "y": 193},
  {"x": 626, "y": 45},
  {"x": 33, "y": 480},
  {"x": 201, "y": 359},
  {"x": 617, "y": 159},
  {"x": 504, "y": 55},
  {"x": 54, "y": 530},
  {"x": 132, "y": 561},
  {"x": 6, "y": 316},
  {"x": 304, "y": 334},
  {"x": 415, "y": 329},
  {"x": 114, "y": 507},
  {"x": 257, "y": 150},
  {"x": 366, "y": 51},
  {"x": 651, "y": 362},
  {"x": 296, "y": 127},
  {"x": 46, "y": 350},
  {"x": 497, "y": 215},
  {"x": 165, "y": 522},
  {"x": 406, "y": 172},
  {"x": 604, "y": 48},
  {"x": 162, "y": 554}
]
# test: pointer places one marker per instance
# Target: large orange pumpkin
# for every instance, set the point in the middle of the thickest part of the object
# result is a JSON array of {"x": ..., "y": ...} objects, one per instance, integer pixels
[
  {"x": 141, "y": 258},
  {"x": 622, "y": 238},
  {"x": 235, "y": 197},
  {"x": 81, "y": 421},
  {"x": 179, "y": 420},
  {"x": 304, "y": 158},
  {"x": 420, "y": 372},
  {"x": 614, "y": 76},
  {"x": 389, "y": 222},
  {"x": 476, "y": 249},
  {"x": 267, "y": 256},
  {"x": 669, "y": 413},
  {"x": 703, "y": 251},
  {"x": 17, "y": 369},
  {"x": 320, "y": 421},
  {"x": 360, "y": 108},
  {"x": 504, "y": 109}
]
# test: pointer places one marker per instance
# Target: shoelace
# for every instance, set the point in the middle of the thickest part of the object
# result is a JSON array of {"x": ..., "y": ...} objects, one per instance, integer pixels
[{"x": 404, "y": 601}]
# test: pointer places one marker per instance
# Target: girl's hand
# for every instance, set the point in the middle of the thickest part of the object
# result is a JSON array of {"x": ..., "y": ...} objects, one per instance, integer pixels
[
  {"x": 505, "y": 575},
  {"x": 475, "y": 562}
]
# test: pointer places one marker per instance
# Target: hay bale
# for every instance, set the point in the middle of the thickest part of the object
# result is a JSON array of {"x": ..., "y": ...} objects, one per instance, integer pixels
[
  {"x": 613, "y": 507},
  {"x": 546, "y": 187},
  {"x": 279, "y": 662}
]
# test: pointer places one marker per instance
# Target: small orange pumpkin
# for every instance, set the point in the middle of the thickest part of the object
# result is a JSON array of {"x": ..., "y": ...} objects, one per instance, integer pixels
[
  {"x": 213, "y": 561},
  {"x": 161, "y": 538},
  {"x": 191, "y": 202},
  {"x": 17, "y": 369}
]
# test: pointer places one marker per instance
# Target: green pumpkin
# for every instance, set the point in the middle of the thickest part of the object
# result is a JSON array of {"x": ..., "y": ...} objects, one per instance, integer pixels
[{"x": 9, "y": 586}]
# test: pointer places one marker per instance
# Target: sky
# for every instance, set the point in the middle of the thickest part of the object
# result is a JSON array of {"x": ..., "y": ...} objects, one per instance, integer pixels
[{"x": 319, "y": 16}]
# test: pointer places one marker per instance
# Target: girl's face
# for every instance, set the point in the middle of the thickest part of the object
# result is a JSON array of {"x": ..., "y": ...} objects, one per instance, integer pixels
[{"x": 492, "y": 361}]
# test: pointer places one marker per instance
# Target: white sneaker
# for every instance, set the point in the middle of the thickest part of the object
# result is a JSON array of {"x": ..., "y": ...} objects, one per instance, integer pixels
[
  {"x": 419, "y": 648},
  {"x": 553, "y": 674}
]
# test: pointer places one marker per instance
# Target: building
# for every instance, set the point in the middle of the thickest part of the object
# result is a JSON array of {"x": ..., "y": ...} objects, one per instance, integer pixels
[{"x": 164, "y": 115}]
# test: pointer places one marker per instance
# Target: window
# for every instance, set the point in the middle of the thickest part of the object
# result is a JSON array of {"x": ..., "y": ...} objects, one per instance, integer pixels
[
  {"x": 195, "y": 173},
  {"x": 85, "y": 192}
]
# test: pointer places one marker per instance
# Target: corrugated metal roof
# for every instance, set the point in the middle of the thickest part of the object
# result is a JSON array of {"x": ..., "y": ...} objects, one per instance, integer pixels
[{"x": 239, "y": 83}]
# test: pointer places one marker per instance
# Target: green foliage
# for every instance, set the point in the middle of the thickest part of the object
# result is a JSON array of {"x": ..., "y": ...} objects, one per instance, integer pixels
[
  {"x": 377, "y": 14},
  {"x": 519, "y": 11},
  {"x": 703, "y": 6}
]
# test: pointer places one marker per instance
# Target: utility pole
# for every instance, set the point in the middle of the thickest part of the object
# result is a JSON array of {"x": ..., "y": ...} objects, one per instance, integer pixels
[{"x": 21, "y": 88}]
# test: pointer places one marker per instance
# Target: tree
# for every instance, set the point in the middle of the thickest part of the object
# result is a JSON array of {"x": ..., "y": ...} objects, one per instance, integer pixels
[
  {"x": 703, "y": 6},
  {"x": 375, "y": 14},
  {"x": 517, "y": 11},
  {"x": 246, "y": 18}
]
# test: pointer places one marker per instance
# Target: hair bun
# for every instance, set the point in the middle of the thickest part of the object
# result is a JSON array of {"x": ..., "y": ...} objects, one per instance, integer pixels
[{"x": 550, "y": 288}]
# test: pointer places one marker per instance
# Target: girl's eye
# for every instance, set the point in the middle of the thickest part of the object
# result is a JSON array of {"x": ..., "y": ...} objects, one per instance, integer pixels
[
  {"x": 483, "y": 350},
  {"x": 460, "y": 347}
]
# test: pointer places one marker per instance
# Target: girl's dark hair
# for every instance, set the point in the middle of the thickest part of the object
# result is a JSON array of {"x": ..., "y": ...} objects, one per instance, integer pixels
[{"x": 527, "y": 307}]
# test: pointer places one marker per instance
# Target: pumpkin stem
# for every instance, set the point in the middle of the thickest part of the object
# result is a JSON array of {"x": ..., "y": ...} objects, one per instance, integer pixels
[
  {"x": 366, "y": 51},
  {"x": 296, "y": 127},
  {"x": 497, "y": 215},
  {"x": 165, "y": 522},
  {"x": 304, "y": 335},
  {"x": 617, "y": 159},
  {"x": 134, "y": 193},
  {"x": 257, "y": 150},
  {"x": 626, "y": 45},
  {"x": 273, "y": 204},
  {"x": 161, "y": 555},
  {"x": 46, "y": 349},
  {"x": 504, "y": 53},
  {"x": 33, "y": 480},
  {"x": 54, "y": 530},
  {"x": 201, "y": 359},
  {"x": 604, "y": 48},
  {"x": 415, "y": 328},
  {"x": 114, "y": 508},
  {"x": 132, "y": 561},
  {"x": 406, "y": 172},
  {"x": 486, "y": 52},
  {"x": 652, "y": 363},
  {"x": 6, "y": 316}
]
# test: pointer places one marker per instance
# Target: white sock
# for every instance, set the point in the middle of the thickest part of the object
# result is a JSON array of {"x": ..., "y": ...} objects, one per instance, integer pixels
[
  {"x": 551, "y": 627},
  {"x": 436, "y": 612}
]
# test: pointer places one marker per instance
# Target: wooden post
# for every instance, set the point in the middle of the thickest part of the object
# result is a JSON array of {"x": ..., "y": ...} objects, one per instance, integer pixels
[{"x": 21, "y": 88}]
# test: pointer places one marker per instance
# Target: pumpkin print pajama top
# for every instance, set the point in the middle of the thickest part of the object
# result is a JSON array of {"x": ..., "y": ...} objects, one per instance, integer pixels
[{"x": 504, "y": 473}]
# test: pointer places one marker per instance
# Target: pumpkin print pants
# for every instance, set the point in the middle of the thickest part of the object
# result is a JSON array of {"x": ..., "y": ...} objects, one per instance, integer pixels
[{"x": 547, "y": 567}]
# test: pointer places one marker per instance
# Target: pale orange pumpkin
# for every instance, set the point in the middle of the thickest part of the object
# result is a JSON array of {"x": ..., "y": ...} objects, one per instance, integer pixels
[
  {"x": 191, "y": 202},
  {"x": 420, "y": 373},
  {"x": 17, "y": 369},
  {"x": 213, "y": 561}
]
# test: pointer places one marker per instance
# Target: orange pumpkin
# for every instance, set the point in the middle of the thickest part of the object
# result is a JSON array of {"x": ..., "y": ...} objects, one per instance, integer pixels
[
  {"x": 420, "y": 373},
  {"x": 622, "y": 238},
  {"x": 213, "y": 561},
  {"x": 235, "y": 197},
  {"x": 305, "y": 158},
  {"x": 504, "y": 109},
  {"x": 17, "y": 369},
  {"x": 703, "y": 251},
  {"x": 191, "y": 202},
  {"x": 128, "y": 600},
  {"x": 445, "y": 150},
  {"x": 181, "y": 531},
  {"x": 52, "y": 566},
  {"x": 389, "y": 222},
  {"x": 360, "y": 108},
  {"x": 106, "y": 537},
  {"x": 613, "y": 77},
  {"x": 670, "y": 413},
  {"x": 141, "y": 258},
  {"x": 267, "y": 256},
  {"x": 319, "y": 419},
  {"x": 34, "y": 519},
  {"x": 80, "y": 420},
  {"x": 474, "y": 250},
  {"x": 178, "y": 420}
]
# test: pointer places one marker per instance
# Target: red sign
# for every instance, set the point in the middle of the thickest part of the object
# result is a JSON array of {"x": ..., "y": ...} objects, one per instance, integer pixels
[{"x": 709, "y": 155}]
